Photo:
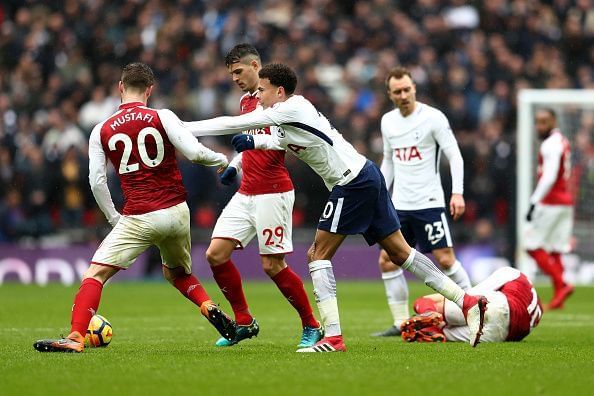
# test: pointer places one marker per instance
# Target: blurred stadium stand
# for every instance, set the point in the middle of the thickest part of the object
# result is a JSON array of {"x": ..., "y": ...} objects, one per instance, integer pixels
[{"x": 60, "y": 63}]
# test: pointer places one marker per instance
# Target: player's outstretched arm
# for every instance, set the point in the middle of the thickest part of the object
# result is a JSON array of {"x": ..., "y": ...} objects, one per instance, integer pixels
[
  {"x": 98, "y": 177},
  {"x": 227, "y": 125},
  {"x": 186, "y": 143}
]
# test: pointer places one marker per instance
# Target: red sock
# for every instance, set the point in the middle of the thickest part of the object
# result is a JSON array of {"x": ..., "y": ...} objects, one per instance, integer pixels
[
  {"x": 545, "y": 262},
  {"x": 85, "y": 305},
  {"x": 292, "y": 288},
  {"x": 229, "y": 281},
  {"x": 190, "y": 287},
  {"x": 557, "y": 266},
  {"x": 424, "y": 304}
]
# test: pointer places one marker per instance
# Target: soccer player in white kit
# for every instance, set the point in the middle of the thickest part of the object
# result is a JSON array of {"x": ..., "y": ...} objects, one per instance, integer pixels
[
  {"x": 359, "y": 202},
  {"x": 141, "y": 142},
  {"x": 550, "y": 218},
  {"x": 414, "y": 135},
  {"x": 514, "y": 311},
  {"x": 262, "y": 209}
]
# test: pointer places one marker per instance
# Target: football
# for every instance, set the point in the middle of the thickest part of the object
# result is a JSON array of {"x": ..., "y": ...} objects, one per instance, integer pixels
[{"x": 99, "y": 332}]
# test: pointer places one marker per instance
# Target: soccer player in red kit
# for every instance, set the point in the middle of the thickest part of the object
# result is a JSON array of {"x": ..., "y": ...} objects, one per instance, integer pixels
[
  {"x": 514, "y": 310},
  {"x": 550, "y": 218},
  {"x": 262, "y": 208},
  {"x": 140, "y": 142}
]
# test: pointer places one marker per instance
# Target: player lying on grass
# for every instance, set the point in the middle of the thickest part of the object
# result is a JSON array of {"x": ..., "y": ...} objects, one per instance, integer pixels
[
  {"x": 359, "y": 202},
  {"x": 141, "y": 144},
  {"x": 514, "y": 310}
]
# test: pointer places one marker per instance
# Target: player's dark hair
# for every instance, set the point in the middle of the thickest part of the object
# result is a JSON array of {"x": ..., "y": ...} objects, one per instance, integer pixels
[
  {"x": 137, "y": 76},
  {"x": 398, "y": 72},
  {"x": 239, "y": 52},
  {"x": 550, "y": 111},
  {"x": 280, "y": 75}
]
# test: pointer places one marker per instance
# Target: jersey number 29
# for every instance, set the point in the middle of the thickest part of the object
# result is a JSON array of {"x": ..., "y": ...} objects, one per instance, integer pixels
[{"x": 125, "y": 166}]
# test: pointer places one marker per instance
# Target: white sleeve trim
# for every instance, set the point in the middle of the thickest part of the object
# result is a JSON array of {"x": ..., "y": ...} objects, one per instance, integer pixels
[{"x": 229, "y": 125}]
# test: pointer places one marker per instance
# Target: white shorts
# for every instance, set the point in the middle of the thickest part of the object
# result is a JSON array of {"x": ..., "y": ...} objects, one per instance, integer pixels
[
  {"x": 168, "y": 229},
  {"x": 267, "y": 216},
  {"x": 496, "y": 326},
  {"x": 550, "y": 228}
]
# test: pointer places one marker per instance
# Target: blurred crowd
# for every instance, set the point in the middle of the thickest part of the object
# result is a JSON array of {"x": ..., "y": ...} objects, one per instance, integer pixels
[{"x": 60, "y": 63}]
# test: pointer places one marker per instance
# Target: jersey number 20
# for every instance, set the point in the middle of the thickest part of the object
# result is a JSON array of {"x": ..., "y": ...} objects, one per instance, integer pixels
[{"x": 126, "y": 167}]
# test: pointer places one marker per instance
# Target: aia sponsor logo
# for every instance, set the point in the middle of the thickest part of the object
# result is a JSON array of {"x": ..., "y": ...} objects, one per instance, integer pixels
[{"x": 407, "y": 154}]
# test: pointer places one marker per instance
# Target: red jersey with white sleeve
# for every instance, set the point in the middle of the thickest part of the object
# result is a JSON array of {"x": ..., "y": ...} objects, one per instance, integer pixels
[
  {"x": 140, "y": 142},
  {"x": 264, "y": 171},
  {"x": 554, "y": 171},
  {"x": 525, "y": 309}
]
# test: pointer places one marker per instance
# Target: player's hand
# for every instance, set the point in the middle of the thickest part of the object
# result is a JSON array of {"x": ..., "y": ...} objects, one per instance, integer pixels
[
  {"x": 243, "y": 142},
  {"x": 228, "y": 176},
  {"x": 530, "y": 213},
  {"x": 457, "y": 206}
]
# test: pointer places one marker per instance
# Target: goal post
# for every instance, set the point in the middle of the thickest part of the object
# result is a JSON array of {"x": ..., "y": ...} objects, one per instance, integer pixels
[{"x": 575, "y": 115}]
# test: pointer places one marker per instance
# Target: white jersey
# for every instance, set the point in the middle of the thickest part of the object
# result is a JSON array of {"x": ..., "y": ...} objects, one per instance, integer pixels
[
  {"x": 412, "y": 148},
  {"x": 302, "y": 130}
]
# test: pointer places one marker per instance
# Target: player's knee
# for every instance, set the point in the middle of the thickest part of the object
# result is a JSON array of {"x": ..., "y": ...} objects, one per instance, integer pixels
[
  {"x": 216, "y": 256},
  {"x": 272, "y": 265},
  {"x": 171, "y": 274},
  {"x": 446, "y": 260},
  {"x": 100, "y": 273},
  {"x": 385, "y": 264}
]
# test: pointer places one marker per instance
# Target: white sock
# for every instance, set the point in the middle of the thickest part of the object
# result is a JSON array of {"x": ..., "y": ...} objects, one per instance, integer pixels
[
  {"x": 397, "y": 293},
  {"x": 424, "y": 269},
  {"x": 324, "y": 285},
  {"x": 458, "y": 274}
]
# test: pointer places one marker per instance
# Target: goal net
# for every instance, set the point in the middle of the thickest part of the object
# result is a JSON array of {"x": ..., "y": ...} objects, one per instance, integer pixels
[{"x": 575, "y": 118}]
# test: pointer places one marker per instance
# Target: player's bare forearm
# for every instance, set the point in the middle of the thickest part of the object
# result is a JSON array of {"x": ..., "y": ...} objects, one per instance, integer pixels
[{"x": 457, "y": 206}]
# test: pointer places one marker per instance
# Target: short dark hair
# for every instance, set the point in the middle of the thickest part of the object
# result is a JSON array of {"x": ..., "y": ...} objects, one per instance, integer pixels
[
  {"x": 280, "y": 76},
  {"x": 548, "y": 110},
  {"x": 137, "y": 76},
  {"x": 398, "y": 72},
  {"x": 239, "y": 52}
]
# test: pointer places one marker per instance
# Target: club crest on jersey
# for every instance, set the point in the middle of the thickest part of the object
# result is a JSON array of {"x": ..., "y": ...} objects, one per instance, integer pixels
[
  {"x": 407, "y": 154},
  {"x": 280, "y": 132}
]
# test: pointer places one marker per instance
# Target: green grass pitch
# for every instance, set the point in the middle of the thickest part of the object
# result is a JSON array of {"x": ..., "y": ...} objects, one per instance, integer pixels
[{"x": 162, "y": 345}]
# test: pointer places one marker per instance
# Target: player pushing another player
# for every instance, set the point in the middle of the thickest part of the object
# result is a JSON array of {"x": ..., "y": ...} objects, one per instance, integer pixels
[
  {"x": 550, "y": 218},
  {"x": 141, "y": 144},
  {"x": 414, "y": 135},
  {"x": 359, "y": 202},
  {"x": 262, "y": 208},
  {"x": 514, "y": 310}
]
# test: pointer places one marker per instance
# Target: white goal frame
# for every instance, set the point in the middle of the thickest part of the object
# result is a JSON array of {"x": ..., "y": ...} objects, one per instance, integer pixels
[{"x": 525, "y": 172}]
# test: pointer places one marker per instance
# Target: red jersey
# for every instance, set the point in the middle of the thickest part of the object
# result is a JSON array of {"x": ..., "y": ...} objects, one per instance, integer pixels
[
  {"x": 560, "y": 193},
  {"x": 135, "y": 142},
  {"x": 264, "y": 171},
  {"x": 525, "y": 309}
]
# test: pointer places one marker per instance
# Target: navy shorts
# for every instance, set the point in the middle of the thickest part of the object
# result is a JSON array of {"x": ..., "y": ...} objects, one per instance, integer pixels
[
  {"x": 427, "y": 228},
  {"x": 363, "y": 206}
]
